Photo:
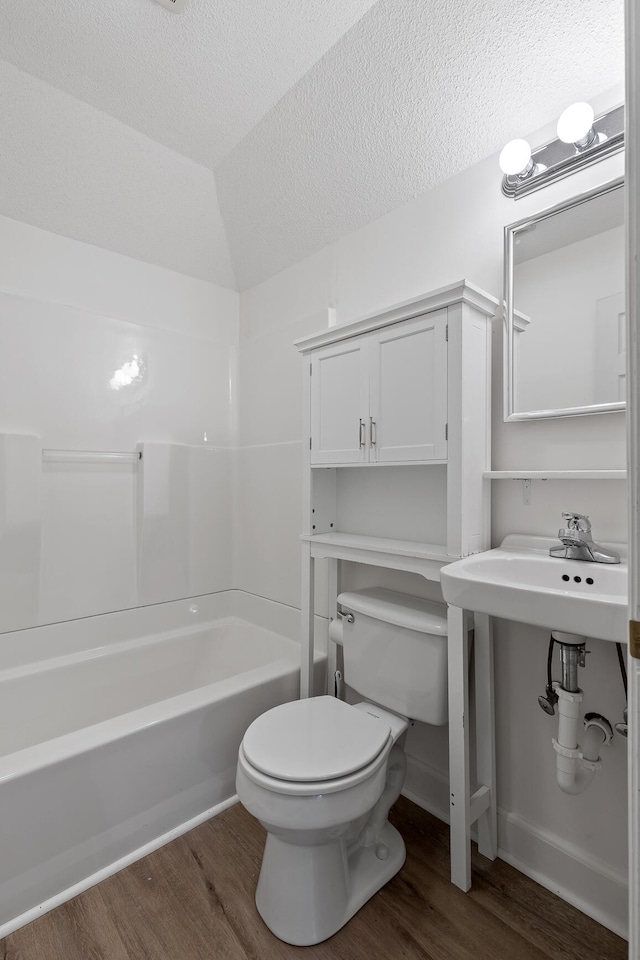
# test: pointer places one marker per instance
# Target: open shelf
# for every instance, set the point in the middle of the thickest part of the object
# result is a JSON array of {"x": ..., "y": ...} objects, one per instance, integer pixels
[
  {"x": 556, "y": 474},
  {"x": 412, "y": 556}
]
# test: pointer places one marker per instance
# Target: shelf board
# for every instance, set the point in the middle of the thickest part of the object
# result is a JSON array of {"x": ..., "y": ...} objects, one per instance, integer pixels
[
  {"x": 379, "y": 463},
  {"x": 556, "y": 474},
  {"x": 412, "y": 556}
]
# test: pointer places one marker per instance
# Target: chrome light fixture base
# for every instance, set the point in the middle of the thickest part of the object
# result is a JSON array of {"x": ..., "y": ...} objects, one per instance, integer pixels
[{"x": 556, "y": 160}]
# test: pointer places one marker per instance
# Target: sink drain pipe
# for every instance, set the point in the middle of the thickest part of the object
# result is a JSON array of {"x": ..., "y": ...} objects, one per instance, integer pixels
[{"x": 576, "y": 765}]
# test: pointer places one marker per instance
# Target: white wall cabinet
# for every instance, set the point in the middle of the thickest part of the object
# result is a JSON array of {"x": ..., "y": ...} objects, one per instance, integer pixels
[
  {"x": 381, "y": 397},
  {"x": 406, "y": 389},
  {"x": 340, "y": 403}
]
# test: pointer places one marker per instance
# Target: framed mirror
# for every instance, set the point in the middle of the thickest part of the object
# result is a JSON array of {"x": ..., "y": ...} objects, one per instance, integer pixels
[{"x": 564, "y": 336}]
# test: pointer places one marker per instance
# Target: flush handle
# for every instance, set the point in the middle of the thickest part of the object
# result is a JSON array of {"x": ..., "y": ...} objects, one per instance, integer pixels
[{"x": 349, "y": 617}]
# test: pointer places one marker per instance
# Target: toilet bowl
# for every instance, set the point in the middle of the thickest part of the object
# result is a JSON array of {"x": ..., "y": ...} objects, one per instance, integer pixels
[
  {"x": 321, "y": 775},
  {"x": 329, "y": 845}
]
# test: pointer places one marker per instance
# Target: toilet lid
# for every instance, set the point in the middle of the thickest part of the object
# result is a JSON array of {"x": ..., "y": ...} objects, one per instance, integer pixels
[{"x": 320, "y": 738}]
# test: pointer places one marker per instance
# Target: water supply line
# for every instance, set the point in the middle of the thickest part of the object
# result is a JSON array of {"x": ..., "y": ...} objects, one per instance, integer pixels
[
  {"x": 576, "y": 764},
  {"x": 550, "y": 698},
  {"x": 336, "y": 633},
  {"x": 622, "y": 727}
]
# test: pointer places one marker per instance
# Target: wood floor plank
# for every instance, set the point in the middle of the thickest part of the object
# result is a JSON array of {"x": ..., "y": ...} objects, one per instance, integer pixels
[
  {"x": 540, "y": 915},
  {"x": 439, "y": 915},
  {"x": 514, "y": 900},
  {"x": 194, "y": 900},
  {"x": 82, "y": 929},
  {"x": 166, "y": 909}
]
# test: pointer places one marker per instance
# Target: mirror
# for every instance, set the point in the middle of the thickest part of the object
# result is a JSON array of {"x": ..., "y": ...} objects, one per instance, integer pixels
[{"x": 564, "y": 343}]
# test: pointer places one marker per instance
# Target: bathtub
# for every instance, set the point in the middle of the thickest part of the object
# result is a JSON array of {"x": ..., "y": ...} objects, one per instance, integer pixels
[{"x": 115, "y": 743}]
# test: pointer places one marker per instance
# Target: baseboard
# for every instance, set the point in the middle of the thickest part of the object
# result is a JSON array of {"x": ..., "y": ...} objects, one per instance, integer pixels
[
  {"x": 428, "y": 787},
  {"x": 574, "y": 875}
]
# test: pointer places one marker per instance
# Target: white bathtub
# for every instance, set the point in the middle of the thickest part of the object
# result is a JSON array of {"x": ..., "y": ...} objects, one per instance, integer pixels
[{"x": 107, "y": 752}]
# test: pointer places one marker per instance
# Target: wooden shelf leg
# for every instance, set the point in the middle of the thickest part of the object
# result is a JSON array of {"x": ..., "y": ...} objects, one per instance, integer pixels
[
  {"x": 307, "y": 623},
  {"x": 459, "y": 780},
  {"x": 485, "y": 732}
]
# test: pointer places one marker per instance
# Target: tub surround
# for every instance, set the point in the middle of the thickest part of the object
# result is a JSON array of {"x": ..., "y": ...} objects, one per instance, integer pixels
[{"x": 72, "y": 319}]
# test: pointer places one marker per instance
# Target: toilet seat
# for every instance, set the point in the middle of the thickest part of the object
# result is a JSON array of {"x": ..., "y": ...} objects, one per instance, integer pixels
[
  {"x": 312, "y": 788},
  {"x": 316, "y": 745}
]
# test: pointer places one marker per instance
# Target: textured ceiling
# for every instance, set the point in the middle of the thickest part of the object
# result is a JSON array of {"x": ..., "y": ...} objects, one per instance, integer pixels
[
  {"x": 73, "y": 170},
  {"x": 196, "y": 82},
  {"x": 318, "y": 116},
  {"x": 415, "y": 92}
]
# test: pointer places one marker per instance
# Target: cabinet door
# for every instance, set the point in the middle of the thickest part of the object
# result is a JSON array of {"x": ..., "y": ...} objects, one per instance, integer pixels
[
  {"x": 340, "y": 402},
  {"x": 409, "y": 390}
]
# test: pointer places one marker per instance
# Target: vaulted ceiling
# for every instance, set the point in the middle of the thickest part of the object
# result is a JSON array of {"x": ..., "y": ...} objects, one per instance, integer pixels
[
  {"x": 197, "y": 82},
  {"x": 319, "y": 116}
]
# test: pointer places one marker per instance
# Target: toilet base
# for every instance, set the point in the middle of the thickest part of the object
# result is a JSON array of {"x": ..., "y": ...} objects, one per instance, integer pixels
[{"x": 305, "y": 894}]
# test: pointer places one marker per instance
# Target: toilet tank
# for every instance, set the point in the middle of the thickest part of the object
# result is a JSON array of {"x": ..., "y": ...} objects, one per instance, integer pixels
[{"x": 395, "y": 652}]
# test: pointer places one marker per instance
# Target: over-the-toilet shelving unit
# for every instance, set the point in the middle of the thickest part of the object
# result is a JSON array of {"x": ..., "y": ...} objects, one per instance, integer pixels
[{"x": 396, "y": 443}]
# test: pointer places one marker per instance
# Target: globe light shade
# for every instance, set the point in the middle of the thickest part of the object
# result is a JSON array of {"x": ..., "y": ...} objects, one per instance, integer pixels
[
  {"x": 575, "y": 122},
  {"x": 515, "y": 157}
]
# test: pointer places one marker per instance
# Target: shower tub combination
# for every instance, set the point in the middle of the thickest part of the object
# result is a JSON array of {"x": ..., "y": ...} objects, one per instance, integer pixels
[{"x": 121, "y": 732}]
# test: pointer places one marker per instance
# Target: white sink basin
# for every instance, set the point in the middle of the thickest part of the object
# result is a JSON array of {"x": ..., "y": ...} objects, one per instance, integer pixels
[{"x": 520, "y": 581}]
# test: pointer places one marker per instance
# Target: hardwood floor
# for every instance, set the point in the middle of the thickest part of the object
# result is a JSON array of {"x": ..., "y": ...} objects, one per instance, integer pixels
[{"x": 193, "y": 900}]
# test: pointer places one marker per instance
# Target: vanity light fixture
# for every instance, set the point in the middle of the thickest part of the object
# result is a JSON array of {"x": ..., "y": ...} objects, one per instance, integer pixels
[
  {"x": 582, "y": 140},
  {"x": 575, "y": 126},
  {"x": 515, "y": 160}
]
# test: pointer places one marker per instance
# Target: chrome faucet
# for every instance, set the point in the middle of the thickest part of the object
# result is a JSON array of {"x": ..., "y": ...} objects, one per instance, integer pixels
[{"x": 577, "y": 542}]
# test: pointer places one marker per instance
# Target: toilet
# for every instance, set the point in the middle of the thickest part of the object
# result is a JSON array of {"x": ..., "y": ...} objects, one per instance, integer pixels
[{"x": 321, "y": 775}]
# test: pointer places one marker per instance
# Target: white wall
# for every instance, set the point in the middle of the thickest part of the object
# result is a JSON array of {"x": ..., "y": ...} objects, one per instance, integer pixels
[
  {"x": 575, "y": 845},
  {"x": 71, "y": 314}
]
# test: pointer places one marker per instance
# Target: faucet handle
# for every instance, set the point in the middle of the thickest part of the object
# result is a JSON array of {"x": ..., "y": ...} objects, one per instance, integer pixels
[{"x": 577, "y": 523}]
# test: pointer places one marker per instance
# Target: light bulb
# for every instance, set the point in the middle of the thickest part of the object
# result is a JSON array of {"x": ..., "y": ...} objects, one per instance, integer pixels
[
  {"x": 515, "y": 157},
  {"x": 575, "y": 123}
]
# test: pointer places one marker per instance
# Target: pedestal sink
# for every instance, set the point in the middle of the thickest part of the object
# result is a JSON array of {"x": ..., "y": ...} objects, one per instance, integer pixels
[{"x": 520, "y": 581}]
